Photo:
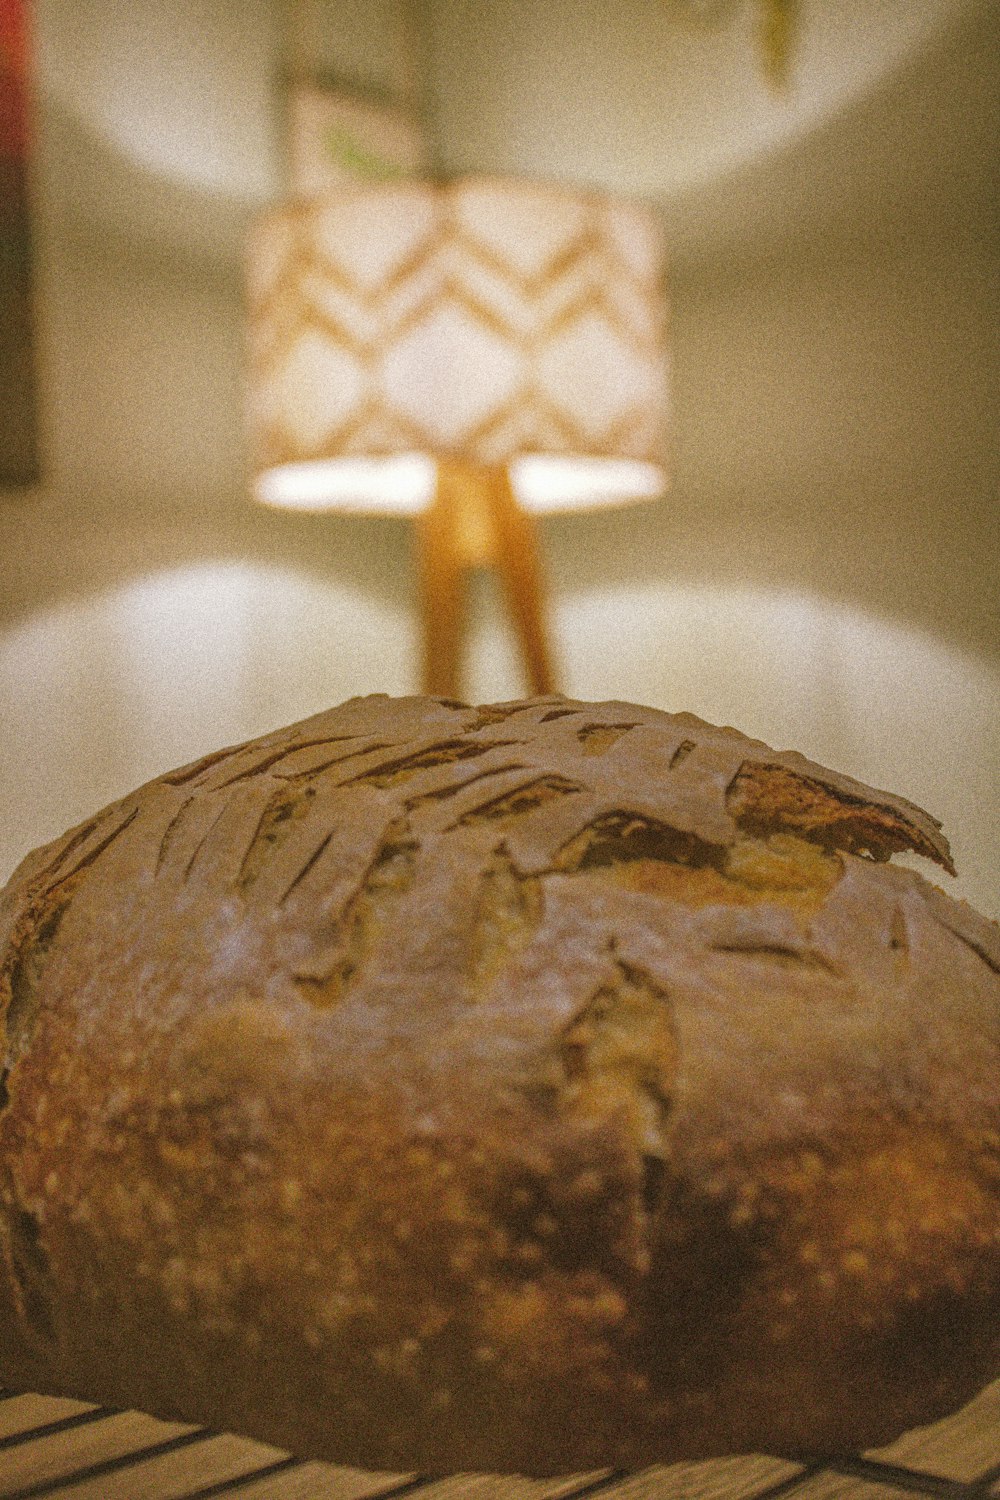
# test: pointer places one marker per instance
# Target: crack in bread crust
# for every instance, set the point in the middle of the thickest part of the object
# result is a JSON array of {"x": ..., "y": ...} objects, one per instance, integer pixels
[{"x": 766, "y": 798}]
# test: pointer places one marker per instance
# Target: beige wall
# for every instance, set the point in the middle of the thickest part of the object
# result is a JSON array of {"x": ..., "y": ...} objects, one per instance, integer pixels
[
  {"x": 643, "y": 94},
  {"x": 823, "y": 573}
]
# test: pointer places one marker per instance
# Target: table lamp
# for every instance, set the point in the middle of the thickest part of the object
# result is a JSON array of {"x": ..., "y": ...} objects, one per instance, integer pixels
[{"x": 473, "y": 354}]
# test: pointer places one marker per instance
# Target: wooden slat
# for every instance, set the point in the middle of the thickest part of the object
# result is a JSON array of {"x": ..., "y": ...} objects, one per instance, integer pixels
[
  {"x": 719, "y": 1479},
  {"x": 308, "y": 1481},
  {"x": 961, "y": 1446},
  {"x": 838, "y": 1486},
  {"x": 48, "y": 1459},
  {"x": 24, "y": 1413},
  {"x": 176, "y": 1474},
  {"x": 238, "y": 1483},
  {"x": 70, "y": 1451}
]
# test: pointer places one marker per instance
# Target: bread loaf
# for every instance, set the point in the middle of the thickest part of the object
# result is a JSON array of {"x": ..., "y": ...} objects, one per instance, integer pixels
[{"x": 534, "y": 1087}]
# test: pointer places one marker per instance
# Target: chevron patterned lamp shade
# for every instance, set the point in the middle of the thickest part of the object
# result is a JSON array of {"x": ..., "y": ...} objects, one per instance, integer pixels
[{"x": 472, "y": 353}]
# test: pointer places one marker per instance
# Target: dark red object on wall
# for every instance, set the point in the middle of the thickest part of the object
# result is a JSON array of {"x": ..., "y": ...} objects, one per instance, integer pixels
[{"x": 18, "y": 425}]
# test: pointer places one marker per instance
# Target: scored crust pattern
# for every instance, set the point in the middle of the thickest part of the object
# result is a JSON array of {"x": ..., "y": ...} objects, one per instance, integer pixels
[{"x": 534, "y": 1080}]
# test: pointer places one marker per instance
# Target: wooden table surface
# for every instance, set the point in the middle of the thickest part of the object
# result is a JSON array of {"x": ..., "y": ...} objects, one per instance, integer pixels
[{"x": 71, "y": 1451}]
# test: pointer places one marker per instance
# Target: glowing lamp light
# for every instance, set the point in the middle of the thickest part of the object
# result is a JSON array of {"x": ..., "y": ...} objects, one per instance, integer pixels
[{"x": 473, "y": 355}]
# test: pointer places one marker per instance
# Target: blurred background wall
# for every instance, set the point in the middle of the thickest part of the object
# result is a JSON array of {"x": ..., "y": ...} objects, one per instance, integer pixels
[{"x": 824, "y": 570}]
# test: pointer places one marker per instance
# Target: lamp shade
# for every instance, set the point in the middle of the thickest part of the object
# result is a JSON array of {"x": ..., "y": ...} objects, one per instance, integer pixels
[{"x": 489, "y": 321}]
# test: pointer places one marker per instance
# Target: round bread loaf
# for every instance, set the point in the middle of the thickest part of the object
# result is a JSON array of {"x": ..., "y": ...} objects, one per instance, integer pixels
[{"x": 534, "y": 1087}]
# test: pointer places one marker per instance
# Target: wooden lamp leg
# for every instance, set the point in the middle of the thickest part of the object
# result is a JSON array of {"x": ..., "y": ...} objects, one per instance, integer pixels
[
  {"x": 474, "y": 521},
  {"x": 516, "y": 560},
  {"x": 442, "y": 587}
]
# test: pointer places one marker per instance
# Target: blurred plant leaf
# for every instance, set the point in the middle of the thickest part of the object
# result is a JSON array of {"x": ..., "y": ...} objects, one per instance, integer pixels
[{"x": 777, "y": 36}]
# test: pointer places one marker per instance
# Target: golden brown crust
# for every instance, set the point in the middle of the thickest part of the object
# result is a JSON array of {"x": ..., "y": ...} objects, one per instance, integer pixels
[{"x": 534, "y": 1087}]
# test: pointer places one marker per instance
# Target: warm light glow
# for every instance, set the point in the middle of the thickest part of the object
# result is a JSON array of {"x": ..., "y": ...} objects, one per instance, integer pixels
[
  {"x": 546, "y": 482},
  {"x": 176, "y": 93},
  {"x": 399, "y": 485},
  {"x": 403, "y": 484}
]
